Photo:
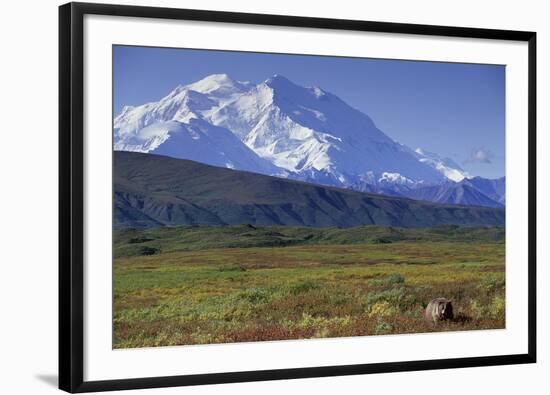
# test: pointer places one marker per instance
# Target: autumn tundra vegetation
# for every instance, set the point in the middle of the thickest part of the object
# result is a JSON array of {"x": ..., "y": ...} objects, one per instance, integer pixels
[{"x": 219, "y": 284}]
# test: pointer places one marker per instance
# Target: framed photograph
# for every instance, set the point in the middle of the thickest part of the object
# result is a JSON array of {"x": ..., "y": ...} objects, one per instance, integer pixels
[{"x": 253, "y": 197}]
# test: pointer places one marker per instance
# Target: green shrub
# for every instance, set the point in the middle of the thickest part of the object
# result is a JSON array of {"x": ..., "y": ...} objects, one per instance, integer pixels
[
  {"x": 145, "y": 250},
  {"x": 383, "y": 327},
  {"x": 396, "y": 297},
  {"x": 382, "y": 309},
  {"x": 303, "y": 287},
  {"x": 496, "y": 309},
  {"x": 393, "y": 296},
  {"x": 231, "y": 267},
  {"x": 255, "y": 295},
  {"x": 477, "y": 309},
  {"x": 391, "y": 279},
  {"x": 138, "y": 240},
  {"x": 380, "y": 240},
  {"x": 491, "y": 284},
  {"x": 320, "y": 325}
]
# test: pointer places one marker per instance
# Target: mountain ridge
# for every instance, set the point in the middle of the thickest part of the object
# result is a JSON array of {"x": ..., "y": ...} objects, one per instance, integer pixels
[{"x": 152, "y": 190}]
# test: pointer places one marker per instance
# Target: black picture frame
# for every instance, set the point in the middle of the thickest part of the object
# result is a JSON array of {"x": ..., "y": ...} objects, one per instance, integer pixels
[{"x": 71, "y": 172}]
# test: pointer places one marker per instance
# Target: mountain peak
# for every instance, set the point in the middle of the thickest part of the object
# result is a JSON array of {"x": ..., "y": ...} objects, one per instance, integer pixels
[
  {"x": 279, "y": 81},
  {"x": 277, "y": 76},
  {"x": 222, "y": 77},
  {"x": 215, "y": 82}
]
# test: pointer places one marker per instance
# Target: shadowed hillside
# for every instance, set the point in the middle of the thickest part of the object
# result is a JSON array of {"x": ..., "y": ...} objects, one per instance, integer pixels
[{"x": 153, "y": 191}]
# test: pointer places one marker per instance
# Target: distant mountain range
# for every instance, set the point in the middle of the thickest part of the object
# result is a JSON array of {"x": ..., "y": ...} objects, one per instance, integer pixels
[
  {"x": 152, "y": 190},
  {"x": 475, "y": 191},
  {"x": 282, "y": 129}
]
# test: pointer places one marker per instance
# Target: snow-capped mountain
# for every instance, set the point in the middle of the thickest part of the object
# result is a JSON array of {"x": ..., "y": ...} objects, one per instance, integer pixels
[
  {"x": 279, "y": 128},
  {"x": 197, "y": 140},
  {"x": 314, "y": 134},
  {"x": 176, "y": 126},
  {"x": 310, "y": 133},
  {"x": 446, "y": 166},
  {"x": 182, "y": 104}
]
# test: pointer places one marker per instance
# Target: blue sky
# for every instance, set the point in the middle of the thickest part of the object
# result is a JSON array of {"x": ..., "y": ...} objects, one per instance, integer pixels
[{"x": 456, "y": 110}]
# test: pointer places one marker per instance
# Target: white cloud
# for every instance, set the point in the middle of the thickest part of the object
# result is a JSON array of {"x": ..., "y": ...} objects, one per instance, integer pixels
[{"x": 480, "y": 155}]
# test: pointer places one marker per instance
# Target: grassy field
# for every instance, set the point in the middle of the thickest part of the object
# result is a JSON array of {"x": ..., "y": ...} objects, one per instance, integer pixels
[{"x": 199, "y": 285}]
